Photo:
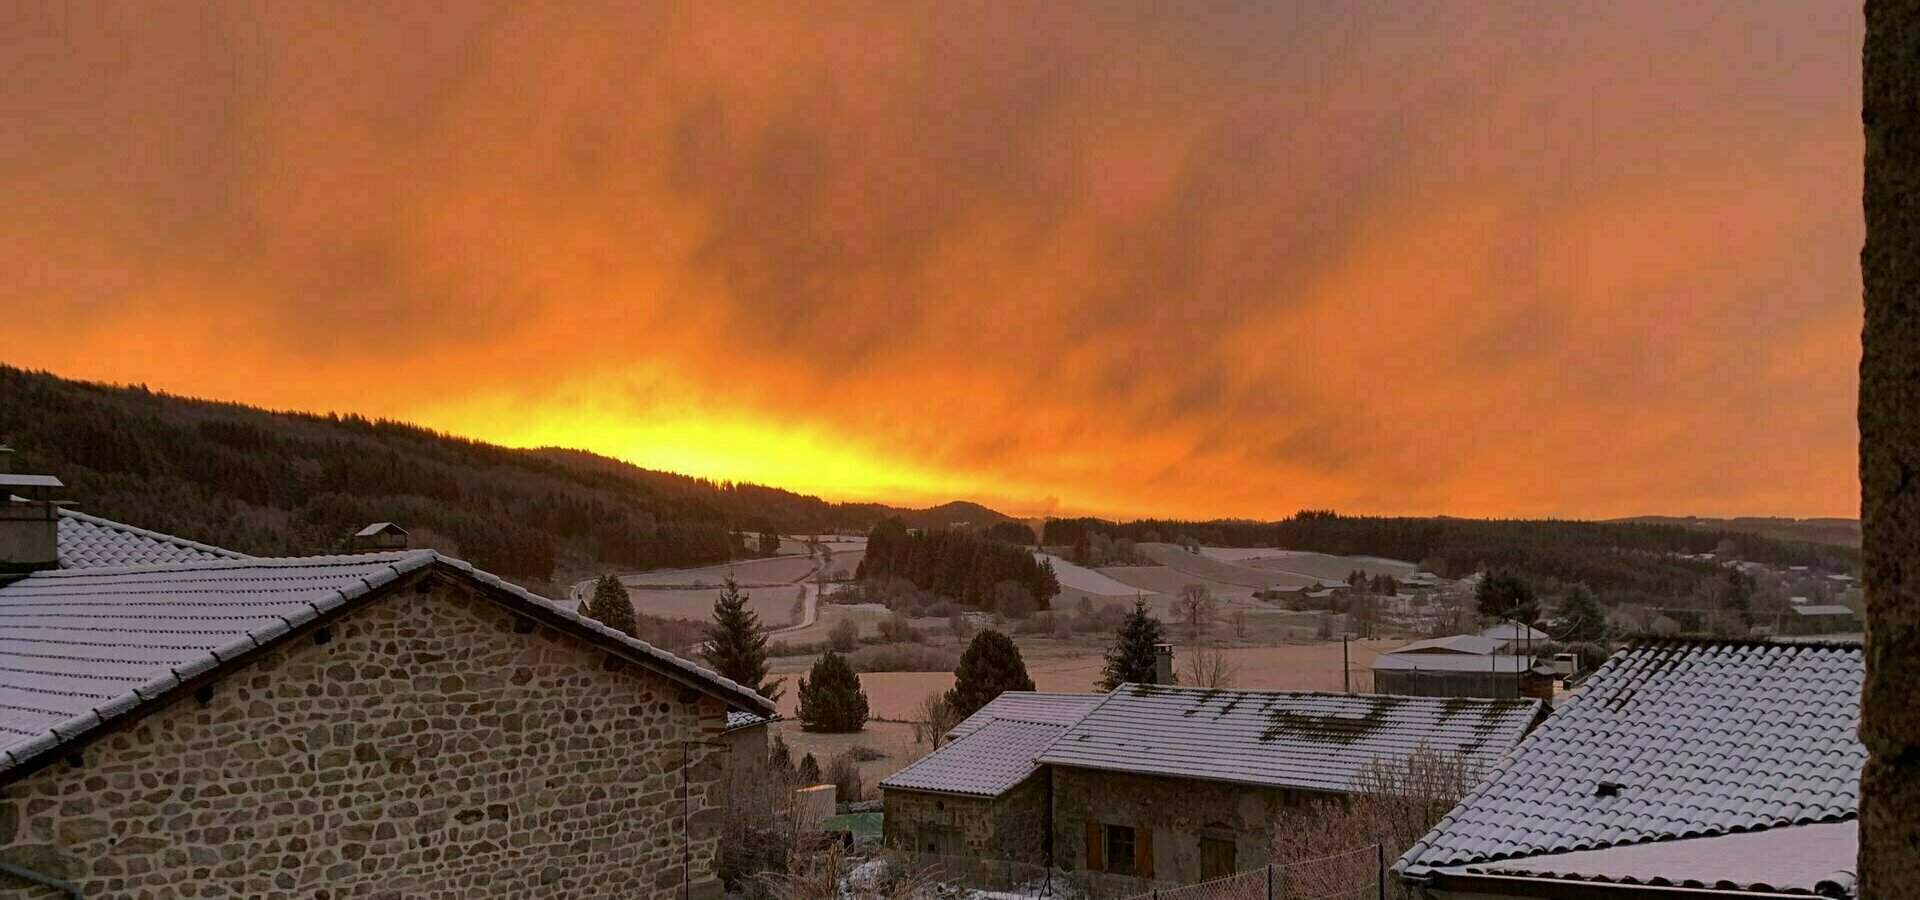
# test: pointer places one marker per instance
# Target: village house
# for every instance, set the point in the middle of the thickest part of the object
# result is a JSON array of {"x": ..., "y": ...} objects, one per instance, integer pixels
[
  {"x": 1168, "y": 784},
  {"x": 390, "y": 724},
  {"x": 1697, "y": 769}
]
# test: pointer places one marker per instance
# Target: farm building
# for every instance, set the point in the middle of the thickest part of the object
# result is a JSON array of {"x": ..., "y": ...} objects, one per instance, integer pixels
[
  {"x": 173, "y": 713},
  {"x": 1703, "y": 768},
  {"x": 1461, "y": 665},
  {"x": 1172, "y": 784},
  {"x": 1814, "y": 618}
]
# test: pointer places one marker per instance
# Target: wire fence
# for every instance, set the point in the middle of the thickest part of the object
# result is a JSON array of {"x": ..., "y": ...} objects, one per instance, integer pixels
[{"x": 1357, "y": 874}]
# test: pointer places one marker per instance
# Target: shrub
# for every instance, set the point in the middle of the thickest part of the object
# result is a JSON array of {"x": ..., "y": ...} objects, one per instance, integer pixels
[
  {"x": 864, "y": 753},
  {"x": 1397, "y": 803},
  {"x": 844, "y": 636},
  {"x": 844, "y": 774}
]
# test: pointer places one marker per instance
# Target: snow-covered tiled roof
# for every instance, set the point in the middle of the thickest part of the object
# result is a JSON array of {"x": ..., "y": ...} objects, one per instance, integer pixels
[
  {"x": 989, "y": 761},
  {"x": 90, "y": 542},
  {"x": 738, "y": 719},
  {"x": 1672, "y": 739},
  {"x": 80, "y": 647},
  {"x": 1293, "y": 739},
  {"x": 1029, "y": 706},
  {"x": 1814, "y": 859}
]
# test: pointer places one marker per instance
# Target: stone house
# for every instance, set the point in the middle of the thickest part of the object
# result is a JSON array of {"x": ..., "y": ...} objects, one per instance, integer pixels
[
  {"x": 1681, "y": 768},
  {"x": 1170, "y": 784},
  {"x": 177, "y": 718},
  {"x": 981, "y": 794}
]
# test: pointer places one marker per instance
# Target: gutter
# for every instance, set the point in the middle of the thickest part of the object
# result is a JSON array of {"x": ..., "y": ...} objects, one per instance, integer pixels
[
  {"x": 1580, "y": 889},
  {"x": 28, "y": 875}
]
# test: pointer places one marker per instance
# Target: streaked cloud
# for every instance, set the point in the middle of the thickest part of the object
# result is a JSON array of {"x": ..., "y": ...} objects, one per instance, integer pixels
[{"x": 1189, "y": 259}]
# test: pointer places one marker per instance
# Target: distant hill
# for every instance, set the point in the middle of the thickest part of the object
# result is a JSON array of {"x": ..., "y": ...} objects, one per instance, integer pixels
[
  {"x": 958, "y": 514},
  {"x": 276, "y": 483},
  {"x": 1838, "y": 532}
]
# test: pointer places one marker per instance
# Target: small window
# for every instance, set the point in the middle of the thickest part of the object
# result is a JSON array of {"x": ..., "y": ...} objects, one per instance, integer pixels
[
  {"x": 1216, "y": 858},
  {"x": 1120, "y": 850}
]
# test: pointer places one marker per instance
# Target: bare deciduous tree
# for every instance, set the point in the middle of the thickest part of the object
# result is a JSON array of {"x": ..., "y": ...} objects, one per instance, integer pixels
[
  {"x": 1396, "y": 802},
  {"x": 932, "y": 719},
  {"x": 1207, "y": 667},
  {"x": 1195, "y": 608}
]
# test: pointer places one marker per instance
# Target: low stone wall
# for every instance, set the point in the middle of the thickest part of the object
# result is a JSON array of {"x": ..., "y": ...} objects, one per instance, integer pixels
[{"x": 435, "y": 746}]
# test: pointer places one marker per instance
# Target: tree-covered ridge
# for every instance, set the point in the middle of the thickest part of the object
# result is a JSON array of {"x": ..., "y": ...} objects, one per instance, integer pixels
[
  {"x": 272, "y": 483},
  {"x": 960, "y": 564}
]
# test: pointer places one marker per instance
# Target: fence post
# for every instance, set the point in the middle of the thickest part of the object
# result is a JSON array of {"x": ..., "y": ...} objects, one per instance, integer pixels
[
  {"x": 1380, "y": 873},
  {"x": 1269, "y": 881}
]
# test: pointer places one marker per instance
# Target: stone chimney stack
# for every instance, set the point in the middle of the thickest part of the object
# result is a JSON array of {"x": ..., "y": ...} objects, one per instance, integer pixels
[
  {"x": 29, "y": 520},
  {"x": 1163, "y": 664}
]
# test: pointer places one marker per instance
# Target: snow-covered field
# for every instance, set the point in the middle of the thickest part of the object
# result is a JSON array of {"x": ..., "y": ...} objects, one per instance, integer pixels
[{"x": 1092, "y": 581}]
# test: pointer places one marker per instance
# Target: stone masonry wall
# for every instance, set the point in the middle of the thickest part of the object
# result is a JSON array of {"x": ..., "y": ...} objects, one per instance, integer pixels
[
  {"x": 1177, "y": 811},
  {"x": 1009, "y": 828},
  {"x": 909, "y": 813},
  {"x": 429, "y": 749}
]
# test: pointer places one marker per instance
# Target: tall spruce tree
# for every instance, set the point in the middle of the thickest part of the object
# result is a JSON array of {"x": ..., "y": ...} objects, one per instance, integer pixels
[
  {"x": 737, "y": 643},
  {"x": 1132, "y": 656},
  {"x": 990, "y": 666},
  {"x": 831, "y": 699},
  {"x": 612, "y": 607}
]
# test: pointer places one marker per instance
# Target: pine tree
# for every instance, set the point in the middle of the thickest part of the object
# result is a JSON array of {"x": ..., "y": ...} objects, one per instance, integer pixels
[
  {"x": 612, "y": 607},
  {"x": 1132, "y": 658},
  {"x": 1505, "y": 595},
  {"x": 991, "y": 666},
  {"x": 1578, "y": 617},
  {"x": 809, "y": 770},
  {"x": 831, "y": 699},
  {"x": 736, "y": 644}
]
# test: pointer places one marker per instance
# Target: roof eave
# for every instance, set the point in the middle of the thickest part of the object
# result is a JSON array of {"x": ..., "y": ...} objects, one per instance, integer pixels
[{"x": 1551, "y": 888}]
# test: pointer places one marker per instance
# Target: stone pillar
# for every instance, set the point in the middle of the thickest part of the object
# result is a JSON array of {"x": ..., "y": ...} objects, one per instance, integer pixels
[{"x": 1890, "y": 452}]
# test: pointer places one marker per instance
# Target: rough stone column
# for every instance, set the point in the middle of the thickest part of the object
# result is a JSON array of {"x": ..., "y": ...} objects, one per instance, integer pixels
[{"x": 1890, "y": 452}]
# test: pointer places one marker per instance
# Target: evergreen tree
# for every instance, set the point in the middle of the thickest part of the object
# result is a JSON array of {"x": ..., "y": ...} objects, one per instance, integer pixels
[
  {"x": 1049, "y": 580},
  {"x": 1503, "y": 594},
  {"x": 809, "y": 770},
  {"x": 1132, "y": 656},
  {"x": 769, "y": 543},
  {"x": 831, "y": 699},
  {"x": 736, "y": 644},
  {"x": 990, "y": 666},
  {"x": 612, "y": 607},
  {"x": 1578, "y": 617}
]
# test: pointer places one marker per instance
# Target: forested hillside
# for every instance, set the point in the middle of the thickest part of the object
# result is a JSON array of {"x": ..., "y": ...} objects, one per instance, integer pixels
[
  {"x": 288, "y": 483},
  {"x": 1635, "y": 561}
]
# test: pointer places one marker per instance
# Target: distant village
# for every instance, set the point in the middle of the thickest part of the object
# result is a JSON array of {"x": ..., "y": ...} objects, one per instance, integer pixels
[{"x": 382, "y": 720}]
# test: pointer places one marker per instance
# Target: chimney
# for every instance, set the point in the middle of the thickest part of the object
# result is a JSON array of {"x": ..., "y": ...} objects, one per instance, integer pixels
[
  {"x": 1163, "y": 664},
  {"x": 29, "y": 520}
]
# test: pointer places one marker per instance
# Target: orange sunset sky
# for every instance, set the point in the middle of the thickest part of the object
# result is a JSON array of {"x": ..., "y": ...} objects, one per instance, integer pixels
[{"x": 1193, "y": 259}]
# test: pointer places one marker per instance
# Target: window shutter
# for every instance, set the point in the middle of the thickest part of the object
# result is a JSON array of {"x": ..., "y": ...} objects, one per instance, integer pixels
[
  {"x": 1143, "y": 852},
  {"x": 1093, "y": 847}
]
